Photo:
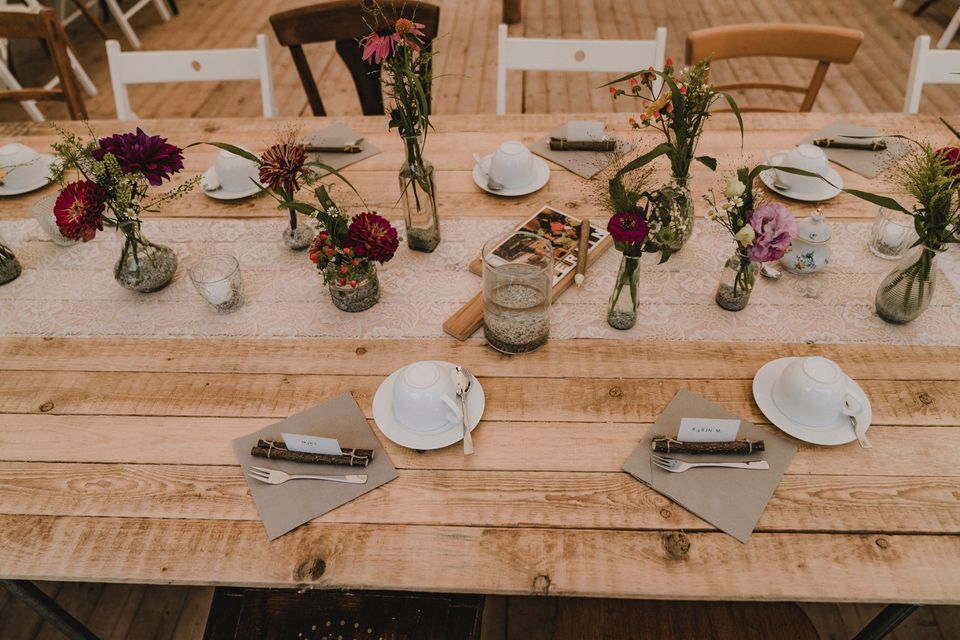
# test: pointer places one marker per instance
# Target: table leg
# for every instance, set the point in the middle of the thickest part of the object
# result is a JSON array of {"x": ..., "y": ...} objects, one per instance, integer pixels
[
  {"x": 48, "y": 609},
  {"x": 886, "y": 621}
]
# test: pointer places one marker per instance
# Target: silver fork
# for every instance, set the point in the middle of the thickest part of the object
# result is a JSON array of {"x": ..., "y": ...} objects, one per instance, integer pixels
[
  {"x": 275, "y": 476},
  {"x": 679, "y": 466}
]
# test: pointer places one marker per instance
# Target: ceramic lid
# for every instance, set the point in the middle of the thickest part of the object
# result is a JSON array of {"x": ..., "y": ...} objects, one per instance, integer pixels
[{"x": 813, "y": 229}]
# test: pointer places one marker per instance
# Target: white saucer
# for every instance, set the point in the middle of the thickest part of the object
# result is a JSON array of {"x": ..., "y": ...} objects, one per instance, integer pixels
[
  {"x": 541, "y": 175},
  {"x": 437, "y": 439},
  {"x": 222, "y": 194},
  {"x": 841, "y": 432},
  {"x": 825, "y": 193},
  {"x": 45, "y": 158}
]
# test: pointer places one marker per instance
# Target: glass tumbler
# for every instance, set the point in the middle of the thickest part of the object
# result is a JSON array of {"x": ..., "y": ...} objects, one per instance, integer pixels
[
  {"x": 892, "y": 234},
  {"x": 43, "y": 213},
  {"x": 217, "y": 278},
  {"x": 517, "y": 285}
]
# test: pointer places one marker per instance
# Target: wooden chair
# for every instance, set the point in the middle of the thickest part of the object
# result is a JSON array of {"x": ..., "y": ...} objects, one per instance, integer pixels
[
  {"x": 929, "y": 66},
  {"x": 539, "y": 54},
  {"x": 148, "y": 67},
  {"x": 23, "y": 22},
  {"x": 342, "y": 21},
  {"x": 824, "y": 44}
]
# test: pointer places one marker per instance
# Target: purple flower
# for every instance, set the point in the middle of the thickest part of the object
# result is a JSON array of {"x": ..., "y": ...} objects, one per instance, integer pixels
[
  {"x": 150, "y": 156},
  {"x": 628, "y": 227},
  {"x": 775, "y": 227}
]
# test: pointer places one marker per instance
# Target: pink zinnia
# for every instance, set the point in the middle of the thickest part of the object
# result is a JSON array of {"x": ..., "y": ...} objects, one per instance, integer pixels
[
  {"x": 628, "y": 227},
  {"x": 79, "y": 210},
  {"x": 775, "y": 228}
]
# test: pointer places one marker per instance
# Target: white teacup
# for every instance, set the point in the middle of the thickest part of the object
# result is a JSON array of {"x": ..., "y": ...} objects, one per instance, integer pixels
[
  {"x": 234, "y": 173},
  {"x": 806, "y": 157},
  {"x": 512, "y": 165},
  {"x": 22, "y": 165},
  {"x": 813, "y": 392},
  {"x": 424, "y": 398}
]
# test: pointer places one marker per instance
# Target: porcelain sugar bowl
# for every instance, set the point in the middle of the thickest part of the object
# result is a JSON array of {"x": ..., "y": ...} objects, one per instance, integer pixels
[{"x": 810, "y": 250}]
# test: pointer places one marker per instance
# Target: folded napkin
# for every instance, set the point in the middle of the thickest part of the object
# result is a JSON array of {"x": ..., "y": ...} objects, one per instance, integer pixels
[
  {"x": 869, "y": 164},
  {"x": 585, "y": 164},
  {"x": 337, "y": 136},
  {"x": 284, "y": 507},
  {"x": 730, "y": 499}
]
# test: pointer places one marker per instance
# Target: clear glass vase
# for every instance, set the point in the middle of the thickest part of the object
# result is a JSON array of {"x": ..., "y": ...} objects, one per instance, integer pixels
[
  {"x": 736, "y": 282},
  {"x": 297, "y": 236},
  {"x": 681, "y": 213},
  {"x": 144, "y": 266},
  {"x": 905, "y": 292},
  {"x": 9, "y": 265},
  {"x": 622, "y": 308},
  {"x": 418, "y": 192},
  {"x": 360, "y": 296}
]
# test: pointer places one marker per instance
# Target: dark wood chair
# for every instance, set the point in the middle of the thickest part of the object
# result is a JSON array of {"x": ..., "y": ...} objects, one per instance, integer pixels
[
  {"x": 44, "y": 26},
  {"x": 824, "y": 44},
  {"x": 342, "y": 21}
]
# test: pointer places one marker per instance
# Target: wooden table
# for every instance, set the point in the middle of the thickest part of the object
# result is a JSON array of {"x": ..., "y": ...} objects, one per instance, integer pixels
[{"x": 115, "y": 459}]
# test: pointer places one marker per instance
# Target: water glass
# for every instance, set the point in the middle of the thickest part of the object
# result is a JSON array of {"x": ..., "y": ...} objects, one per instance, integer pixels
[
  {"x": 43, "y": 212},
  {"x": 892, "y": 234},
  {"x": 217, "y": 278},
  {"x": 517, "y": 284}
]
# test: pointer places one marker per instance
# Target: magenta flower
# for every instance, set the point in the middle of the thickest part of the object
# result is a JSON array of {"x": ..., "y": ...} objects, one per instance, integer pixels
[
  {"x": 951, "y": 160},
  {"x": 628, "y": 227},
  {"x": 79, "y": 210},
  {"x": 150, "y": 156},
  {"x": 372, "y": 237},
  {"x": 775, "y": 227},
  {"x": 379, "y": 44}
]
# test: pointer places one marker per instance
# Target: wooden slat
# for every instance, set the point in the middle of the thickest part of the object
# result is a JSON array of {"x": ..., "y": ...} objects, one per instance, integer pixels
[
  {"x": 819, "y": 504},
  {"x": 853, "y": 568}
]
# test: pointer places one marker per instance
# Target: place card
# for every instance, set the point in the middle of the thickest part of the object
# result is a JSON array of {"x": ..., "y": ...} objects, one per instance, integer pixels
[
  {"x": 312, "y": 444},
  {"x": 707, "y": 430}
]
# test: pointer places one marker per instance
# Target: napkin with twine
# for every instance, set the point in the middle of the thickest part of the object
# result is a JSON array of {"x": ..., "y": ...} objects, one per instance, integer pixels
[
  {"x": 869, "y": 164},
  {"x": 284, "y": 507},
  {"x": 730, "y": 499},
  {"x": 585, "y": 164},
  {"x": 337, "y": 135}
]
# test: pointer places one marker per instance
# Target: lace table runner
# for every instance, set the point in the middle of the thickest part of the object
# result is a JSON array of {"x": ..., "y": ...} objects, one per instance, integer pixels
[{"x": 71, "y": 292}]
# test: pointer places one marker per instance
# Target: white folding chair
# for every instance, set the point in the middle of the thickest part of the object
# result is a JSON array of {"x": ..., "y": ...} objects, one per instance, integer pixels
[
  {"x": 929, "y": 66},
  {"x": 605, "y": 56},
  {"x": 150, "y": 67}
]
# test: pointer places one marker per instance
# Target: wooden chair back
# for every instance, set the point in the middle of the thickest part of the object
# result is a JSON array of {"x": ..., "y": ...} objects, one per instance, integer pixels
[
  {"x": 539, "y": 54},
  {"x": 929, "y": 66},
  {"x": 41, "y": 24},
  {"x": 342, "y": 22},
  {"x": 148, "y": 67},
  {"x": 824, "y": 44}
]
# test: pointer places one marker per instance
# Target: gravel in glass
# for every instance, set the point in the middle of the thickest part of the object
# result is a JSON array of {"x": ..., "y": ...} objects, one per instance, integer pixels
[
  {"x": 217, "y": 279},
  {"x": 298, "y": 239},
  {"x": 359, "y": 298},
  {"x": 619, "y": 319},
  {"x": 731, "y": 301},
  {"x": 149, "y": 268},
  {"x": 511, "y": 321},
  {"x": 425, "y": 240},
  {"x": 9, "y": 269}
]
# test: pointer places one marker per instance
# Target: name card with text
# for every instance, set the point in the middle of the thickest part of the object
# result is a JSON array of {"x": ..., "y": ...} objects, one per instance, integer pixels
[
  {"x": 707, "y": 430},
  {"x": 312, "y": 444}
]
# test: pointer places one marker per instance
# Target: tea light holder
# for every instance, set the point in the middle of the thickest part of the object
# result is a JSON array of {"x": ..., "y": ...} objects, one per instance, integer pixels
[
  {"x": 46, "y": 218},
  {"x": 891, "y": 235},
  {"x": 217, "y": 279}
]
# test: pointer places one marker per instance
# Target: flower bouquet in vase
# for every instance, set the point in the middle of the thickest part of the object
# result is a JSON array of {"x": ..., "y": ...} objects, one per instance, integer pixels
[
  {"x": 677, "y": 104},
  {"x": 763, "y": 233},
  {"x": 9, "y": 265},
  {"x": 115, "y": 175},
  {"x": 398, "y": 46}
]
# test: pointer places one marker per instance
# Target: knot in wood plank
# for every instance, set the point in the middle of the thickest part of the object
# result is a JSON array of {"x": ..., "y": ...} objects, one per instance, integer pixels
[
  {"x": 615, "y": 392},
  {"x": 925, "y": 398},
  {"x": 541, "y": 584},
  {"x": 883, "y": 543},
  {"x": 310, "y": 569},
  {"x": 677, "y": 545},
  {"x": 46, "y": 406},
  {"x": 360, "y": 351},
  {"x": 665, "y": 513}
]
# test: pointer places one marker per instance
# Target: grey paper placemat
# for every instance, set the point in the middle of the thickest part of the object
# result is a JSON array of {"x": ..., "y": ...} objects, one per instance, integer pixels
[
  {"x": 284, "y": 507},
  {"x": 730, "y": 499},
  {"x": 585, "y": 164},
  {"x": 869, "y": 164},
  {"x": 333, "y": 136}
]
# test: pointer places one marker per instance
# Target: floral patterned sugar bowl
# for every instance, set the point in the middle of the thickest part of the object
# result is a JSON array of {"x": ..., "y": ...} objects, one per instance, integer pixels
[{"x": 810, "y": 250}]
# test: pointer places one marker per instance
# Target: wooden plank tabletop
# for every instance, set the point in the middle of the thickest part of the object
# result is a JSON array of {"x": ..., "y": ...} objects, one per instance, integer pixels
[{"x": 115, "y": 459}]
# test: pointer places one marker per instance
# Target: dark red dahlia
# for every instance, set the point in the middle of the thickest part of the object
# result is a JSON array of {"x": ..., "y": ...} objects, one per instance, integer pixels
[
  {"x": 79, "y": 210},
  {"x": 282, "y": 166},
  {"x": 151, "y": 156},
  {"x": 951, "y": 159},
  {"x": 372, "y": 237},
  {"x": 628, "y": 227}
]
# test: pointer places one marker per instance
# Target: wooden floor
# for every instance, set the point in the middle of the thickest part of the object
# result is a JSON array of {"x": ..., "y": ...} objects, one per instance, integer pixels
[{"x": 466, "y": 63}]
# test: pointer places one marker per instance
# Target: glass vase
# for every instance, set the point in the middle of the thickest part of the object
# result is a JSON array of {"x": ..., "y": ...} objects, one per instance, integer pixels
[
  {"x": 736, "y": 282},
  {"x": 681, "y": 213},
  {"x": 418, "y": 192},
  {"x": 361, "y": 296},
  {"x": 622, "y": 308},
  {"x": 9, "y": 265},
  {"x": 144, "y": 266},
  {"x": 905, "y": 292},
  {"x": 297, "y": 236}
]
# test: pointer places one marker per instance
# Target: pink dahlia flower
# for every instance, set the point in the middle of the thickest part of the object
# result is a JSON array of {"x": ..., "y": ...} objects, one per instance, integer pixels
[{"x": 775, "y": 228}]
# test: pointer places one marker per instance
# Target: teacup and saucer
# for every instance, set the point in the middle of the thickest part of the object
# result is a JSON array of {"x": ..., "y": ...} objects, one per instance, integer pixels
[
  {"x": 805, "y": 157},
  {"x": 811, "y": 399},
  {"x": 417, "y": 406},
  {"x": 512, "y": 167},
  {"x": 230, "y": 178},
  {"x": 24, "y": 170}
]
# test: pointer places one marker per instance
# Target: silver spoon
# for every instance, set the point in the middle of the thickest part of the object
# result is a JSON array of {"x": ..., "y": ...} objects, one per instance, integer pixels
[
  {"x": 462, "y": 382},
  {"x": 769, "y": 272},
  {"x": 492, "y": 184}
]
